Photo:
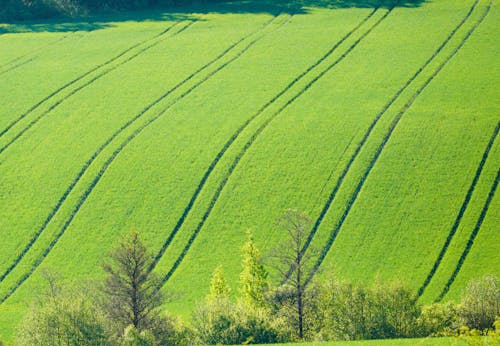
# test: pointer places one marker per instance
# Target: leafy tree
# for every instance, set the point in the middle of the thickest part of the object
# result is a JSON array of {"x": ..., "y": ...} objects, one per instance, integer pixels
[
  {"x": 480, "y": 303},
  {"x": 130, "y": 290},
  {"x": 214, "y": 320},
  {"x": 438, "y": 319},
  {"x": 253, "y": 278},
  {"x": 395, "y": 311},
  {"x": 63, "y": 317},
  {"x": 219, "y": 288}
]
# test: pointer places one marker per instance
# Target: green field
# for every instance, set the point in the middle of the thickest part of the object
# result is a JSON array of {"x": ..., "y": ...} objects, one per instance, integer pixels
[
  {"x": 401, "y": 342},
  {"x": 196, "y": 125},
  {"x": 396, "y": 342}
]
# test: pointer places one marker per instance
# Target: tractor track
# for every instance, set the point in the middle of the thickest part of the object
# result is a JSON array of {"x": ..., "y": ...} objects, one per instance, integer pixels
[
  {"x": 87, "y": 164},
  {"x": 252, "y": 140},
  {"x": 113, "y": 156},
  {"x": 233, "y": 138},
  {"x": 369, "y": 131},
  {"x": 22, "y": 63},
  {"x": 386, "y": 138},
  {"x": 89, "y": 82},
  {"x": 70, "y": 83},
  {"x": 461, "y": 212},
  {"x": 33, "y": 52},
  {"x": 472, "y": 237}
]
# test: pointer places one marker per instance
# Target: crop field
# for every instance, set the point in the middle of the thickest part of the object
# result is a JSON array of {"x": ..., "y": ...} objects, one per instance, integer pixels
[
  {"x": 397, "y": 342},
  {"x": 378, "y": 119}
]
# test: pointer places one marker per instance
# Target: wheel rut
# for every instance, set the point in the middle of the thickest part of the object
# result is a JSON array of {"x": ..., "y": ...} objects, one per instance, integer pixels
[
  {"x": 472, "y": 237},
  {"x": 113, "y": 156},
  {"x": 386, "y": 138},
  {"x": 369, "y": 131},
  {"x": 461, "y": 212},
  {"x": 257, "y": 133},
  {"x": 157, "y": 39}
]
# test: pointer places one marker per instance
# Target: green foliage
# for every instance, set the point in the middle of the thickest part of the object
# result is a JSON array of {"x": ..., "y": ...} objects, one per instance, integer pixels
[
  {"x": 439, "y": 319},
  {"x": 480, "y": 303},
  {"x": 132, "y": 337},
  {"x": 253, "y": 278},
  {"x": 348, "y": 312},
  {"x": 219, "y": 288},
  {"x": 396, "y": 226},
  {"x": 220, "y": 321},
  {"x": 63, "y": 317}
]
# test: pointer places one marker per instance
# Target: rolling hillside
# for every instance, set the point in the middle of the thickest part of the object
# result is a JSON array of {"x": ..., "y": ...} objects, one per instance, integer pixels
[{"x": 378, "y": 119}]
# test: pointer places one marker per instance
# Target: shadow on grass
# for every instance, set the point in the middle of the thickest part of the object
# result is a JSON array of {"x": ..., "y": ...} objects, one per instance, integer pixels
[{"x": 180, "y": 13}]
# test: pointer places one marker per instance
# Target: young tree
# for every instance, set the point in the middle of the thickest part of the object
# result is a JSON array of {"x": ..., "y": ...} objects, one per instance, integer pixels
[
  {"x": 253, "y": 278},
  {"x": 214, "y": 320},
  {"x": 294, "y": 265},
  {"x": 480, "y": 303},
  {"x": 63, "y": 316},
  {"x": 219, "y": 288},
  {"x": 130, "y": 289}
]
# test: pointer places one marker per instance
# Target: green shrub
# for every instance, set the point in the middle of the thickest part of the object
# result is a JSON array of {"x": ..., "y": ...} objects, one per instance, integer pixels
[
  {"x": 63, "y": 317},
  {"x": 480, "y": 303},
  {"x": 439, "y": 319}
]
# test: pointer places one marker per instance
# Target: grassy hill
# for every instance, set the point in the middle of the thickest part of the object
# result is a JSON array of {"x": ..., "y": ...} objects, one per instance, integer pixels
[{"x": 378, "y": 119}]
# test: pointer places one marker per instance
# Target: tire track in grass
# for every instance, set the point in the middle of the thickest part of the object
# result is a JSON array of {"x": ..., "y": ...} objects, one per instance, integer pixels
[
  {"x": 89, "y": 82},
  {"x": 472, "y": 237},
  {"x": 33, "y": 52},
  {"x": 22, "y": 63},
  {"x": 251, "y": 141},
  {"x": 386, "y": 138},
  {"x": 113, "y": 156},
  {"x": 235, "y": 135},
  {"x": 70, "y": 83},
  {"x": 461, "y": 212},
  {"x": 87, "y": 164},
  {"x": 369, "y": 131}
]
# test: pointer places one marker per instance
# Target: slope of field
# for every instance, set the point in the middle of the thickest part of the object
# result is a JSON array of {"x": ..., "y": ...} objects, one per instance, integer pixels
[
  {"x": 396, "y": 342},
  {"x": 379, "y": 122}
]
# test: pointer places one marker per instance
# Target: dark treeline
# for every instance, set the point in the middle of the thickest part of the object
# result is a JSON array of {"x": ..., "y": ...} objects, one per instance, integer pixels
[
  {"x": 44, "y": 9},
  {"x": 18, "y": 10},
  {"x": 125, "y": 308}
]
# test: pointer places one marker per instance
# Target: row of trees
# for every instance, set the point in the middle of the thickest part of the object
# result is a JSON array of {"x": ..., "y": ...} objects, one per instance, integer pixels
[
  {"x": 30, "y": 9},
  {"x": 126, "y": 307}
]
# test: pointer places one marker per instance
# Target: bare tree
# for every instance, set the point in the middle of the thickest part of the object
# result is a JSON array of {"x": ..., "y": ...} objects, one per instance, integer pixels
[
  {"x": 132, "y": 297},
  {"x": 294, "y": 265}
]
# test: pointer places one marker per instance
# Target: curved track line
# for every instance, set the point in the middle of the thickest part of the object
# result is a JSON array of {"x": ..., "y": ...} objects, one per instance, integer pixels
[
  {"x": 110, "y": 160},
  {"x": 368, "y": 132},
  {"x": 33, "y": 52},
  {"x": 87, "y": 164},
  {"x": 70, "y": 83},
  {"x": 386, "y": 138},
  {"x": 84, "y": 85},
  {"x": 472, "y": 237},
  {"x": 16, "y": 66},
  {"x": 461, "y": 213},
  {"x": 235, "y": 135},
  {"x": 251, "y": 141}
]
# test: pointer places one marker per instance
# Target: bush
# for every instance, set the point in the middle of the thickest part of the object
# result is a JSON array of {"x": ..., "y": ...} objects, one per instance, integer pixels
[
  {"x": 63, "y": 318},
  {"x": 439, "y": 319},
  {"x": 354, "y": 313},
  {"x": 219, "y": 321},
  {"x": 480, "y": 303}
]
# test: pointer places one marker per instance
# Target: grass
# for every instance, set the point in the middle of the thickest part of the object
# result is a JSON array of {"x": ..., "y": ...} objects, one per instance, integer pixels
[
  {"x": 423, "y": 342},
  {"x": 375, "y": 127}
]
